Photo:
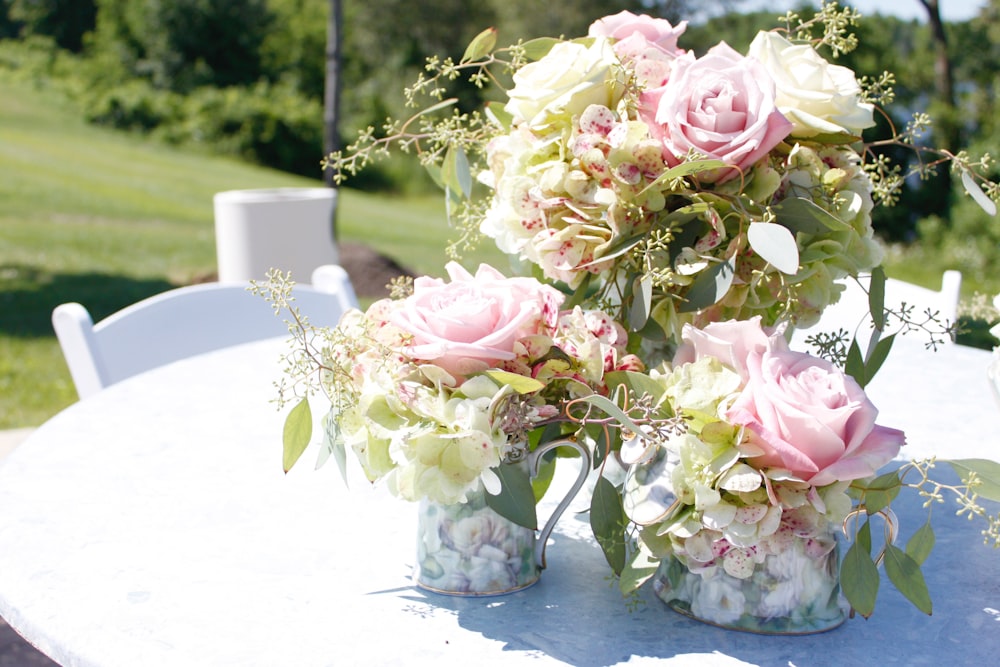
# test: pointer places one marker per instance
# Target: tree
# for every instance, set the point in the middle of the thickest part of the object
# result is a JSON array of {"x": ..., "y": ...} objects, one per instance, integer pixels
[
  {"x": 183, "y": 44},
  {"x": 331, "y": 97},
  {"x": 66, "y": 21},
  {"x": 944, "y": 83}
]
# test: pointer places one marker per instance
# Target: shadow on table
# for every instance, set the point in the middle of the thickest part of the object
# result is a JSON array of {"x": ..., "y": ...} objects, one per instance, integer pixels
[{"x": 576, "y": 614}]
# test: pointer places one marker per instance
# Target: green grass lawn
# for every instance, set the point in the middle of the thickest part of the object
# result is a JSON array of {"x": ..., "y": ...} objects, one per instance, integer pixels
[{"x": 105, "y": 219}]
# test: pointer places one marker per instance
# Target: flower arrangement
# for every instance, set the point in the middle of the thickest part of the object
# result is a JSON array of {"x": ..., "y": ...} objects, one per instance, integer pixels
[
  {"x": 771, "y": 443},
  {"x": 433, "y": 390},
  {"x": 676, "y": 212},
  {"x": 666, "y": 187}
]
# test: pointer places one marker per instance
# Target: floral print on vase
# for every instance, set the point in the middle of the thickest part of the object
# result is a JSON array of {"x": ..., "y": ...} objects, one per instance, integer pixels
[
  {"x": 468, "y": 549},
  {"x": 791, "y": 589}
]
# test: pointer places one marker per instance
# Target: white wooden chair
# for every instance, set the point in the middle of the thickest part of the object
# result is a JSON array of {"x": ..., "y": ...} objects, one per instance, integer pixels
[
  {"x": 851, "y": 311},
  {"x": 183, "y": 322}
]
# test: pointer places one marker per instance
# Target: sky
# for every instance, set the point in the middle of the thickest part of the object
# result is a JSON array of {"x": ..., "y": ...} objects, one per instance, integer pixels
[{"x": 951, "y": 10}]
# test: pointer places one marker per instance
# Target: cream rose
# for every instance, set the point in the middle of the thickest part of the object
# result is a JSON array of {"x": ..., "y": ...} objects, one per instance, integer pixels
[
  {"x": 567, "y": 80},
  {"x": 816, "y": 96}
]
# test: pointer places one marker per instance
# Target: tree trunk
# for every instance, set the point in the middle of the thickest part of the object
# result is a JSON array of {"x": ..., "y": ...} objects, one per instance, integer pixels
[
  {"x": 944, "y": 84},
  {"x": 331, "y": 93}
]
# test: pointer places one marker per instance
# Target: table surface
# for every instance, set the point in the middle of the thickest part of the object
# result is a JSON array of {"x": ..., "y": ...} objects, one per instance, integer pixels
[{"x": 152, "y": 525}]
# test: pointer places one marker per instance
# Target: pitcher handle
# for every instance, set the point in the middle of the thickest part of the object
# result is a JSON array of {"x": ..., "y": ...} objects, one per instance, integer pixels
[
  {"x": 533, "y": 463},
  {"x": 889, "y": 530}
]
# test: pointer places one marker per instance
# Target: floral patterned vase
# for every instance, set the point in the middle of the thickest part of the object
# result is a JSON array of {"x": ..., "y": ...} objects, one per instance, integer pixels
[
  {"x": 469, "y": 549},
  {"x": 795, "y": 591}
]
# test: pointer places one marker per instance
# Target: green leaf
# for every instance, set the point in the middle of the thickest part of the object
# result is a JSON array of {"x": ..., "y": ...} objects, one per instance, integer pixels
[
  {"x": 333, "y": 445},
  {"x": 904, "y": 572},
  {"x": 977, "y": 194},
  {"x": 881, "y": 491},
  {"x": 775, "y": 245},
  {"x": 637, "y": 384},
  {"x": 543, "y": 479},
  {"x": 296, "y": 434},
  {"x": 516, "y": 500},
  {"x": 921, "y": 543},
  {"x": 519, "y": 383},
  {"x": 642, "y": 303},
  {"x": 859, "y": 578},
  {"x": 455, "y": 171},
  {"x": 481, "y": 45},
  {"x": 685, "y": 169},
  {"x": 497, "y": 111},
  {"x": 639, "y": 569},
  {"x": 709, "y": 287},
  {"x": 987, "y": 472},
  {"x": 608, "y": 521},
  {"x": 803, "y": 215},
  {"x": 877, "y": 357},
  {"x": 876, "y": 297},
  {"x": 536, "y": 49},
  {"x": 611, "y": 409},
  {"x": 855, "y": 364}
]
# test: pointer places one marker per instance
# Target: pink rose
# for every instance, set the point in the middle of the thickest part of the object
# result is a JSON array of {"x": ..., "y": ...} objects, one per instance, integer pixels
[
  {"x": 649, "y": 44},
  {"x": 473, "y": 322},
  {"x": 625, "y": 25},
  {"x": 721, "y": 105},
  {"x": 806, "y": 416},
  {"x": 731, "y": 342}
]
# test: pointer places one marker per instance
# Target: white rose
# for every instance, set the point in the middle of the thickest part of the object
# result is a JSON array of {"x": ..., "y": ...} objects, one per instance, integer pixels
[
  {"x": 565, "y": 81},
  {"x": 816, "y": 96}
]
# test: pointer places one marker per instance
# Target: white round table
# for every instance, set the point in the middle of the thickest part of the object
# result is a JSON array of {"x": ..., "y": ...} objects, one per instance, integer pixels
[{"x": 151, "y": 525}]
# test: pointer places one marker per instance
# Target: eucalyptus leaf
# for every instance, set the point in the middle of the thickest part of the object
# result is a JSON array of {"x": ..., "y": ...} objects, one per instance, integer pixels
[
  {"x": 977, "y": 194},
  {"x": 709, "y": 287},
  {"x": 642, "y": 302},
  {"x": 536, "y": 49},
  {"x": 619, "y": 247},
  {"x": 859, "y": 578},
  {"x": 611, "y": 409},
  {"x": 639, "y": 569},
  {"x": 882, "y": 491},
  {"x": 543, "y": 479},
  {"x": 637, "y": 384},
  {"x": 804, "y": 215},
  {"x": 904, "y": 573},
  {"x": 877, "y": 357},
  {"x": 296, "y": 434},
  {"x": 921, "y": 543},
  {"x": 516, "y": 500},
  {"x": 608, "y": 521},
  {"x": 333, "y": 445},
  {"x": 685, "y": 169},
  {"x": 986, "y": 471},
  {"x": 876, "y": 297},
  {"x": 496, "y": 110},
  {"x": 455, "y": 171},
  {"x": 481, "y": 45},
  {"x": 519, "y": 383},
  {"x": 855, "y": 364},
  {"x": 775, "y": 245}
]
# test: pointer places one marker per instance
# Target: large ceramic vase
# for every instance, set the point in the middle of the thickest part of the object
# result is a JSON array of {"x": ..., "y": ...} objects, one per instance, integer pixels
[
  {"x": 795, "y": 591},
  {"x": 469, "y": 549}
]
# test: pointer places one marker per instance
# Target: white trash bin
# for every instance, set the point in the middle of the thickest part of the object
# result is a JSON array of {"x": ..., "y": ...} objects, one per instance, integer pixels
[{"x": 290, "y": 229}]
